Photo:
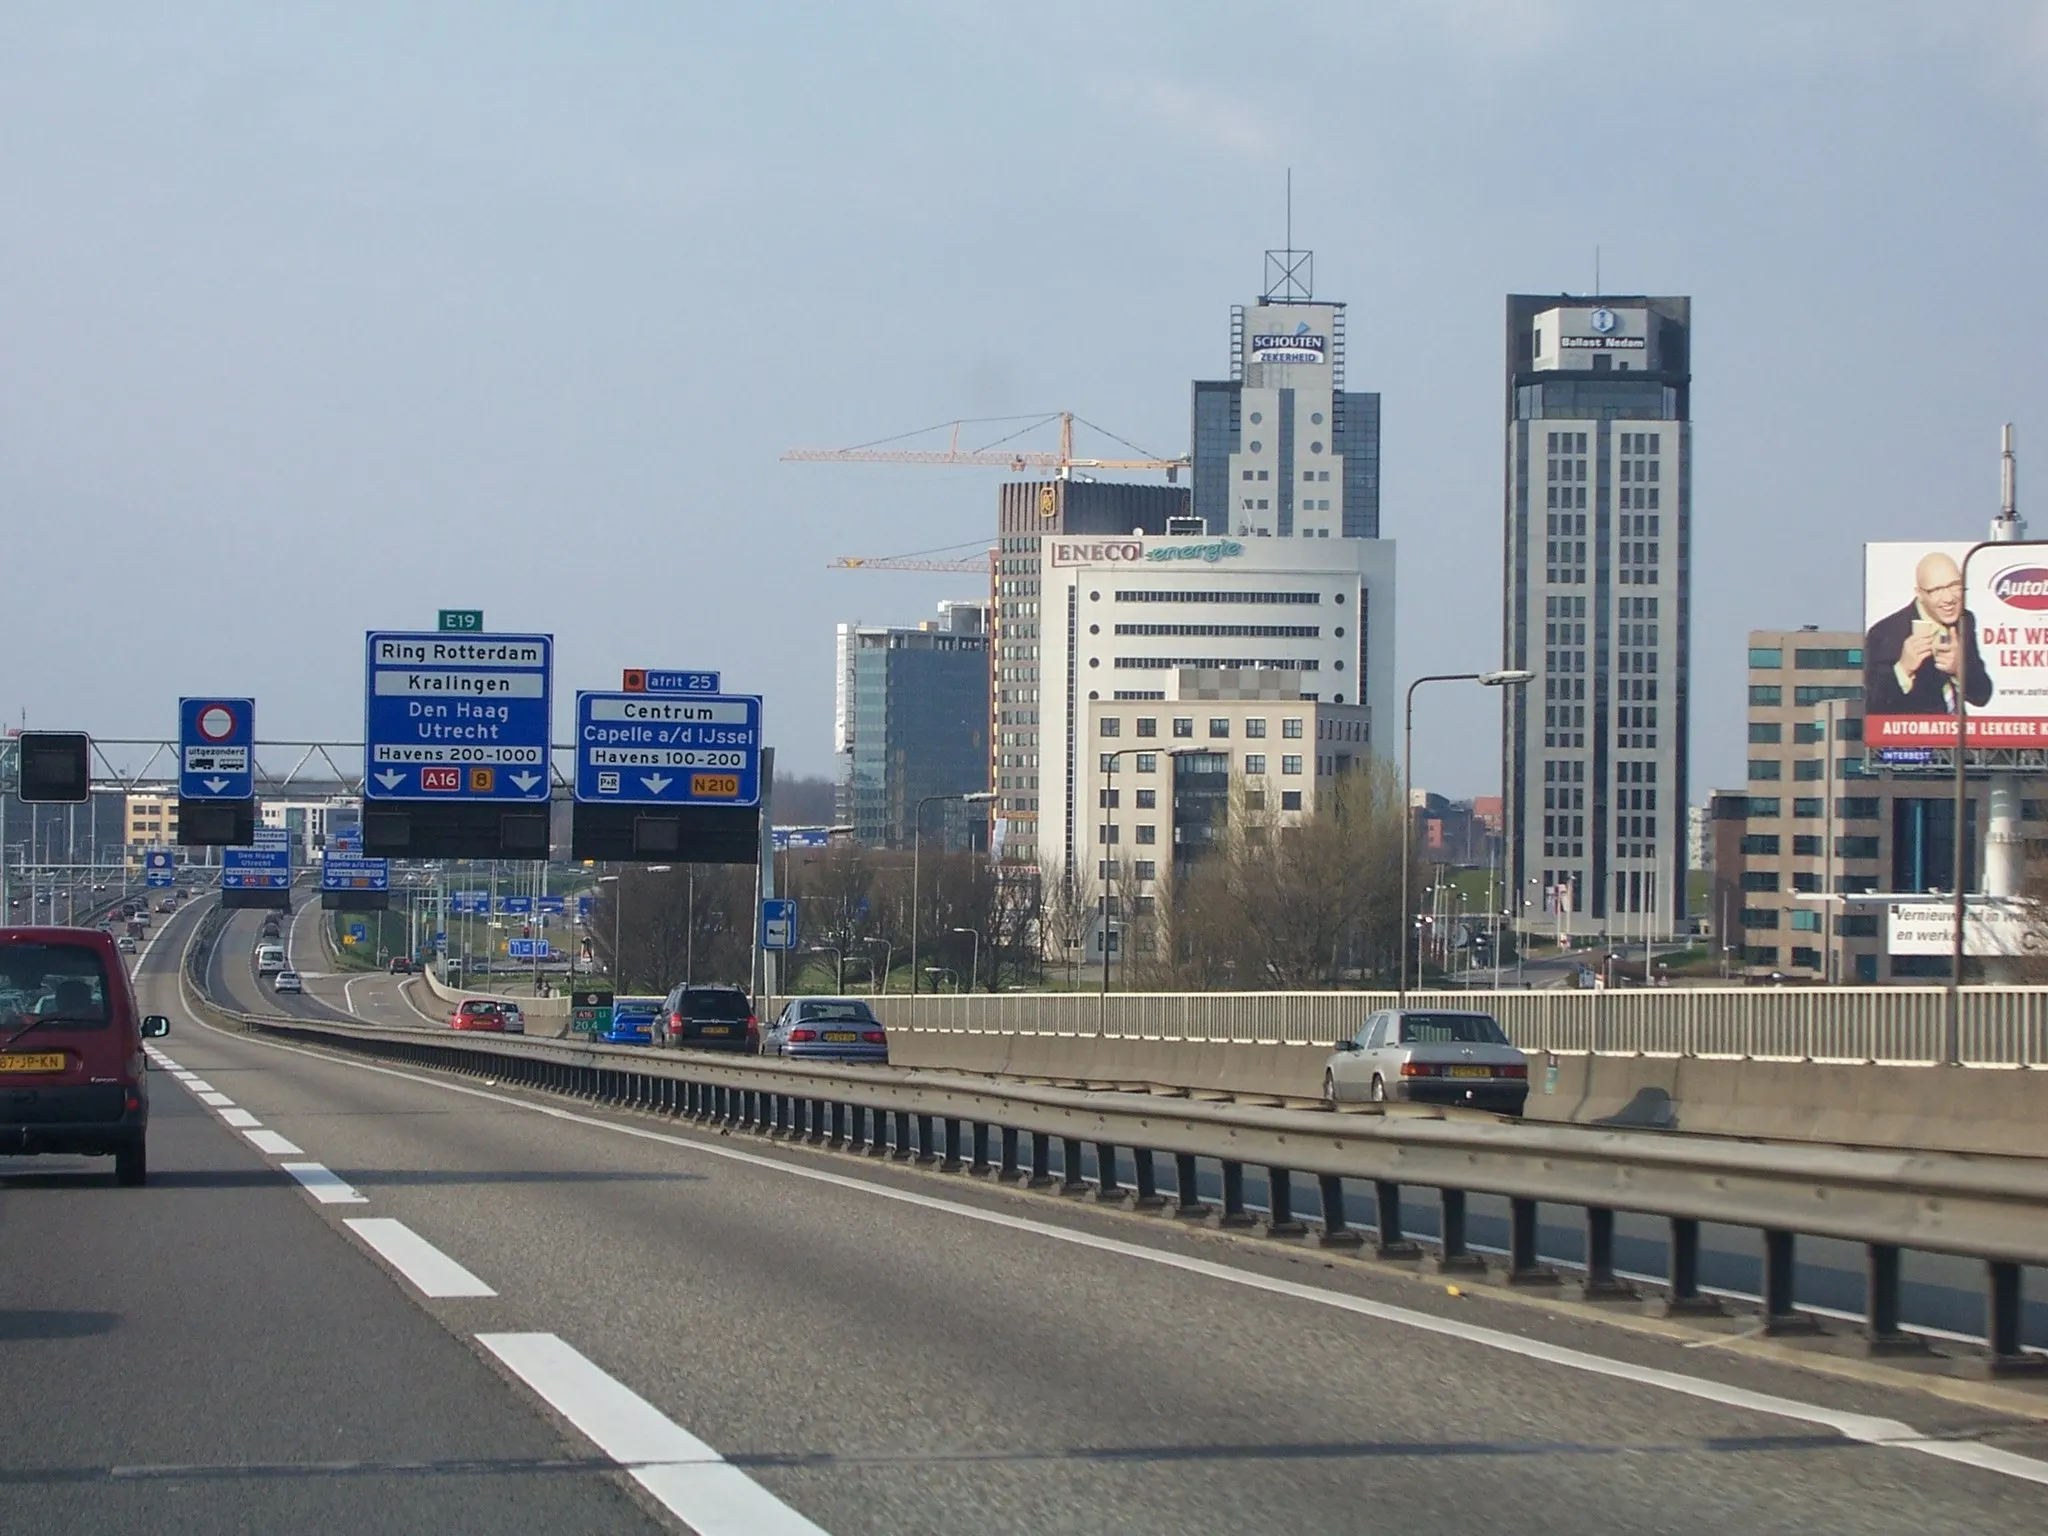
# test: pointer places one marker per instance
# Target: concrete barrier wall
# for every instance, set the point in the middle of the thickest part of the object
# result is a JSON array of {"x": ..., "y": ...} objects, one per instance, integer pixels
[
  {"x": 2001, "y": 1026},
  {"x": 554, "y": 1010}
]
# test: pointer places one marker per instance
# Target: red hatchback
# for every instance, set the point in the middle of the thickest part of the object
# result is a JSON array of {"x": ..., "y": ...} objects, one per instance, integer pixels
[
  {"x": 71, "y": 1062},
  {"x": 477, "y": 1013}
]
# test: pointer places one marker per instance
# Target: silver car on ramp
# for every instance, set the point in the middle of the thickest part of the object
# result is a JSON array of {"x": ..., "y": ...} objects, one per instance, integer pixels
[{"x": 1429, "y": 1056}]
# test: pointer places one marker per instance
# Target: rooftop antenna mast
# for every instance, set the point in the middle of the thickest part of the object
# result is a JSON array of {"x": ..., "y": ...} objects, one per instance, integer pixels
[
  {"x": 1290, "y": 274},
  {"x": 2009, "y": 525}
]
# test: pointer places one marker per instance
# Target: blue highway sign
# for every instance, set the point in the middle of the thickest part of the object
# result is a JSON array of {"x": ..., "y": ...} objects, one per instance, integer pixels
[
  {"x": 255, "y": 869},
  {"x": 645, "y": 749},
  {"x": 344, "y": 872},
  {"x": 159, "y": 867},
  {"x": 583, "y": 906},
  {"x": 216, "y": 749},
  {"x": 346, "y": 840},
  {"x": 550, "y": 904},
  {"x": 648, "y": 680},
  {"x": 527, "y": 949},
  {"x": 802, "y": 837},
  {"x": 778, "y": 923},
  {"x": 457, "y": 717},
  {"x": 469, "y": 902},
  {"x": 515, "y": 906}
]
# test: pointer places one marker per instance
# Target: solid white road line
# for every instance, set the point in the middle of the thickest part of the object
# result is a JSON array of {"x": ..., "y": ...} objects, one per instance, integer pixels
[
  {"x": 322, "y": 1185},
  {"x": 274, "y": 1144},
  {"x": 240, "y": 1119},
  {"x": 197, "y": 1085},
  {"x": 1858, "y": 1427},
  {"x": 430, "y": 1270},
  {"x": 700, "y": 1487},
  {"x": 216, "y": 1099}
]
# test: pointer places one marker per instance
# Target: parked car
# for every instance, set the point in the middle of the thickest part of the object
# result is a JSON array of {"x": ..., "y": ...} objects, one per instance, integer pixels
[
  {"x": 287, "y": 981},
  {"x": 827, "y": 1028},
  {"x": 1429, "y": 1056},
  {"x": 72, "y": 1068},
  {"x": 633, "y": 1020},
  {"x": 710, "y": 1019},
  {"x": 477, "y": 1013}
]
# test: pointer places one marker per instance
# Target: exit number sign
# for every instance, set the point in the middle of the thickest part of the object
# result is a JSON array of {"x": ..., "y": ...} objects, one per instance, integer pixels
[{"x": 462, "y": 621}]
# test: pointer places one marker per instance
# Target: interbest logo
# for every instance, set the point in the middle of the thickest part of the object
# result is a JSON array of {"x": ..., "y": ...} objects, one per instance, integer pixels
[{"x": 2022, "y": 586}]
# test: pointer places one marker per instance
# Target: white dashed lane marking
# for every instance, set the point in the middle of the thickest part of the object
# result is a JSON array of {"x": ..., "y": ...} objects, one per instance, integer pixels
[
  {"x": 322, "y": 1185},
  {"x": 430, "y": 1270},
  {"x": 274, "y": 1144}
]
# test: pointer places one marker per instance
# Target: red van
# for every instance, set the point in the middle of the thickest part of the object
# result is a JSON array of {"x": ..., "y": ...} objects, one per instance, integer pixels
[{"x": 71, "y": 1063}]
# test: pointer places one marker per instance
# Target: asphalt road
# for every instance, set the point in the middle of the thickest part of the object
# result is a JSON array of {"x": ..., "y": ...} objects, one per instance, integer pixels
[
  {"x": 1941, "y": 1296},
  {"x": 774, "y": 1338}
]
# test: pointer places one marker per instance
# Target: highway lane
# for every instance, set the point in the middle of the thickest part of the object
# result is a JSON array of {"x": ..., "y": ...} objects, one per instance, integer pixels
[
  {"x": 203, "y": 1353},
  {"x": 1942, "y": 1295},
  {"x": 889, "y": 1350}
]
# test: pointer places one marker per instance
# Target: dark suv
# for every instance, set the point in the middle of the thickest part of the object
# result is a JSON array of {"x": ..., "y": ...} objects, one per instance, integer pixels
[
  {"x": 710, "y": 1019},
  {"x": 71, "y": 1063}
]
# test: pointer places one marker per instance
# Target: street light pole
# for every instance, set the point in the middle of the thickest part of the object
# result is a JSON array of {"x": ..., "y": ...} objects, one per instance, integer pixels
[
  {"x": 973, "y": 965},
  {"x": 1505, "y": 677},
  {"x": 977, "y": 797}
]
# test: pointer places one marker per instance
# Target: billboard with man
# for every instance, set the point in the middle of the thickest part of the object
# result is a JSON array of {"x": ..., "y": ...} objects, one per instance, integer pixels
[{"x": 1931, "y": 647}]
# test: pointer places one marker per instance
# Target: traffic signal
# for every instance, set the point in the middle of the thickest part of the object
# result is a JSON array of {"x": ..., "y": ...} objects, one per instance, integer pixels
[{"x": 56, "y": 767}]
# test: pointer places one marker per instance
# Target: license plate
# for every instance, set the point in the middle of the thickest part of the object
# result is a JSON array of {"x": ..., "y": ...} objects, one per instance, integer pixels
[
  {"x": 1471, "y": 1071},
  {"x": 21, "y": 1061},
  {"x": 714, "y": 1029},
  {"x": 841, "y": 1034}
]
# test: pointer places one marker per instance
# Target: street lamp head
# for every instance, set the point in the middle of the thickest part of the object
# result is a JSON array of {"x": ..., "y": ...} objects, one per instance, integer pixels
[
  {"x": 979, "y": 797},
  {"x": 1506, "y": 677}
]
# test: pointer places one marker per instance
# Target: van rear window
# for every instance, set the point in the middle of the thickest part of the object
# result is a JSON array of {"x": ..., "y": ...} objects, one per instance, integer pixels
[
  {"x": 714, "y": 1003},
  {"x": 53, "y": 986}
]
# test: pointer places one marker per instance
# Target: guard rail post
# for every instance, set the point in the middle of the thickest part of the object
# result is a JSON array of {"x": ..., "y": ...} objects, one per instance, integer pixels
[
  {"x": 838, "y": 1137},
  {"x": 1280, "y": 1218},
  {"x": 953, "y": 1162},
  {"x": 1234, "y": 1214},
  {"x": 878, "y": 1139},
  {"x": 1602, "y": 1283},
  {"x": 927, "y": 1141},
  {"x": 1686, "y": 1299},
  {"x": 2002, "y": 1324},
  {"x": 978, "y": 1167},
  {"x": 1781, "y": 1313},
  {"x": 1456, "y": 1258},
  {"x": 1524, "y": 1266},
  {"x": 1107, "y": 1186},
  {"x": 1009, "y": 1172},
  {"x": 1187, "y": 1195},
  {"x": 1148, "y": 1197},
  {"x": 1882, "y": 1334},
  {"x": 902, "y": 1152},
  {"x": 857, "y": 1131},
  {"x": 1394, "y": 1242},
  {"x": 1337, "y": 1231},
  {"x": 1071, "y": 1180},
  {"x": 1041, "y": 1161}
]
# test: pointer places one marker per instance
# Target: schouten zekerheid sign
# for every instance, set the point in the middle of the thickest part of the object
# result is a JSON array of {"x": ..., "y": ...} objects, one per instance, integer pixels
[
  {"x": 457, "y": 717},
  {"x": 668, "y": 749}
]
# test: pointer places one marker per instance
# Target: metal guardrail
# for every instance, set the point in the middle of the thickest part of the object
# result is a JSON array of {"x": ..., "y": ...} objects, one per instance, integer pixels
[
  {"x": 1986, "y": 1208},
  {"x": 2001, "y": 1026}
]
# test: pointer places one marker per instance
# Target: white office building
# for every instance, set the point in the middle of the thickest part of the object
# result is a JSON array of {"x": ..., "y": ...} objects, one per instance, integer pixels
[{"x": 1145, "y": 623}]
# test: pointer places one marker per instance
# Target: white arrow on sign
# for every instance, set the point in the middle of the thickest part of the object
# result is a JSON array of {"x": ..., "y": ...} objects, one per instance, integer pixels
[
  {"x": 657, "y": 782},
  {"x": 216, "y": 785},
  {"x": 524, "y": 782},
  {"x": 390, "y": 778}
]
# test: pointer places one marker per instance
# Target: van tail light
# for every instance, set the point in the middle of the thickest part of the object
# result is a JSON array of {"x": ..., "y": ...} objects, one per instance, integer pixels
[
  {"x": 874, "y": 1037},
  {"x": 134, "y": 1101},
  {"x": 1521, "y": 1071},
  {"x": 1421, "y": 1069},
  {"x": 798, "y": 1036}
]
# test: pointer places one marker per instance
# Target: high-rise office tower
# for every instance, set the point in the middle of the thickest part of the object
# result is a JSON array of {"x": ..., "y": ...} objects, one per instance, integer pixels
[
  {"x": 1598, "y": 604},
  {"x": 1281, "y": 448}
]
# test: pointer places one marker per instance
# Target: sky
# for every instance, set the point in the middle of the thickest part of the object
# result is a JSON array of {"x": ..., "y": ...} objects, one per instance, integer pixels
[{"x": 315, "y": 319}]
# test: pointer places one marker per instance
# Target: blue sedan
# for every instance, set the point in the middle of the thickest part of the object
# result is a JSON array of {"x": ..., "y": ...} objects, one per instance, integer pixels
[{"x": 632, "y": 1021}]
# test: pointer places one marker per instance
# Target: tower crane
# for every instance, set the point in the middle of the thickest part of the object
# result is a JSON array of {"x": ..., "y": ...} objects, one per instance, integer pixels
[{"x": 994, "y": 456}]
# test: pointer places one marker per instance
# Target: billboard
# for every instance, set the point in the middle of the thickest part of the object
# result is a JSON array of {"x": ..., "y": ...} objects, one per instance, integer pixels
[
  {"x": 1990, "y": 927},
  {"x": 1928, "y": 645}
]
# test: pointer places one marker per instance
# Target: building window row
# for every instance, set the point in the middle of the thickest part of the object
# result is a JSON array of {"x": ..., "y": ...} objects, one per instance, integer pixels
[
  {"x": 1232, "y": 631},
  {"x": 1182, "y": 595},
  {"x": 1567, "y": 497},
  {"x": 1637, "y": 499},
  {"x": 1212, "y": 663}
]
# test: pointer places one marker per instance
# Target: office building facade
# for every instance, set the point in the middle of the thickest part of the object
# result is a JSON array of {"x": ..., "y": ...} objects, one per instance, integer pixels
[
  {"x": 1281, "y": 449},
  {"x": 1029, "y": 513},
  {"x": 1127, "y": 619},
  {"x": 912, "y": 721},
  {"x": 1597, "y": 586}
]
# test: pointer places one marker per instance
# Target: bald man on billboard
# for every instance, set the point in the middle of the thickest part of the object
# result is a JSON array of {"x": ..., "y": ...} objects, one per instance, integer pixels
[{"x": 1915, "y": 660}]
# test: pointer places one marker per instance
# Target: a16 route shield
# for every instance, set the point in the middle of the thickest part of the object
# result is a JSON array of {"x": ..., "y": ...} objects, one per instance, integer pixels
[
  {"x": 456, "y": 718},
  {"x": 652, "y": 749},
  {"x": 216, "y": 745}
]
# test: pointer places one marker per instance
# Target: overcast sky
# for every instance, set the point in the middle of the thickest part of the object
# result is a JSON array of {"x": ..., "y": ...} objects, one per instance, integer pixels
[{"x": 314, "y": 319}]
